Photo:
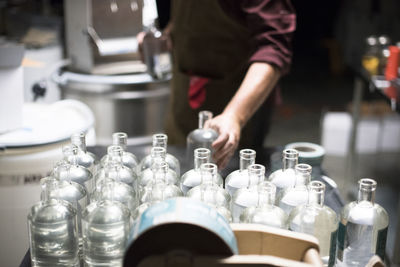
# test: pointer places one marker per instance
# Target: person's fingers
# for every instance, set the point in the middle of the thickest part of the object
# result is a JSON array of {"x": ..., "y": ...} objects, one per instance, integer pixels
[
  {"x": 139, "y": 39},
  {"x": 228, "y": 149},
  {"x": 220, "y": 141}
]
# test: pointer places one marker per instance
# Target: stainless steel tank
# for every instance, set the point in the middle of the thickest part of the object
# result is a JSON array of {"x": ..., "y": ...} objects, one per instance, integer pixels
[{"x": 134, "y": 103}]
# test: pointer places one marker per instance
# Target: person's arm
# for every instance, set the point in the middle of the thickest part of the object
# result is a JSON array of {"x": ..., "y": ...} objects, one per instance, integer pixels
[{"x": 258, "y": 83}]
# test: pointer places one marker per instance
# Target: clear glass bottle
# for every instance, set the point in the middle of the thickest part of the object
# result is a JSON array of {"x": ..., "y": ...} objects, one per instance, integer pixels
[
  {"x": 363, "y": 228},
  {"x": 285, "y": 177},
  {"x": 157, "y": 154},
  {"x": 114, "y": 168},
  {"x": 160, "y": 140},
  {"x": 318, "y": 220},
  {"x": 69, "y": 191},
  {"x": 157, "y": 56},
  {"x": 53, "y": 231},
  {"x": 192, "y": 177},
  {"x": 201, "y": 137},
  {"x": 247, "y": 196},
  {"x": 265, "y": 212},
  {"x": 240, "y": 178},
  {"x": 122, "y": 193},
  {"x": 159, "y": 188},
  {"x": 211, "y": 193},
  {"x": 68, "y": 169},
  {"x": 128, "y": 159},
  {"x": 297, "y": 195},
  {"x": 84, "y": 157},
  {"x": 105, "y": 228}
]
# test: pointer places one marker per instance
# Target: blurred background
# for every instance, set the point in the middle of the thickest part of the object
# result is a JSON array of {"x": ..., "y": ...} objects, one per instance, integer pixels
[{"x": 54, "y": 50}]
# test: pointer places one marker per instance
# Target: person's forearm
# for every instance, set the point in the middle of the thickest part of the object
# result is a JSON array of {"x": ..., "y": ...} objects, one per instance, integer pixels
[{"x": 257, "y": 85}]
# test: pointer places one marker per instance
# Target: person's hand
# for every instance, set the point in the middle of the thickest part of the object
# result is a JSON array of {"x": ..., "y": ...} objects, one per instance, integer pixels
[{"x": 228, "y": 128}]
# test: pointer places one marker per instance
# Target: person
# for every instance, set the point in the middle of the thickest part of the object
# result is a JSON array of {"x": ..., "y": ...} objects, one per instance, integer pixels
[{"x": 228, "y": 58}]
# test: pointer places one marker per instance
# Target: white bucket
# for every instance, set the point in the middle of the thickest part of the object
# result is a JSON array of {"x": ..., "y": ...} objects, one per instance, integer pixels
[{"x": 27, "y": 155}]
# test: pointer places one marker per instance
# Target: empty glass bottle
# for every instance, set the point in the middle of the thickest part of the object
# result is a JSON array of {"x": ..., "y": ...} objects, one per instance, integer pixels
[
  {"x": 128, "y": 159},
  {"x": 362, "y": 228},
  {"x": 211, "y": 193},
  {"x": 121, "y": 192},
  {"x": 192, "y": 177},
  {"x": 201, "y": 137},
  {"x": 155, "y": 45},
  {"x": 285, "y": 177},
  {"x": 160, "y": 140},
  {"x": 318, "y": 220},
  {"x": 265, "y": 212},
  {"x": 105, "y": 227},
  {"x": 240, "y": 178},
  {"x": 115, "y": 170},
  {"x": 69, "y": 169},
  {"x": 297, "y": 195},
  {"x": 53, "y": 231},
  {"x": 157, "y": 154},
  {"x": 159, "y": 188},
  {"x": 247, "y": 196},
  {"x": 69, "y": 191},
  {"x": 84, "y": 157}
]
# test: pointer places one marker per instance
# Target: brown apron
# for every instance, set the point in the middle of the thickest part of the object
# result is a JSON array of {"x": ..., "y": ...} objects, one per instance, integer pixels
[{"x": 208, "y": 43}]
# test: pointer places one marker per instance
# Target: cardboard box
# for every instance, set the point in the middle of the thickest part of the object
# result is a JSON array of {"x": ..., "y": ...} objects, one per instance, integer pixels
[{"x": 11, "y": 86}]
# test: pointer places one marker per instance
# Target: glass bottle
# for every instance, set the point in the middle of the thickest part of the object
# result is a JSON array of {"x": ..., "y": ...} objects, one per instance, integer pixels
[
  {"x": 122, "y": 193},
  {"x": 128, "y": 159},
  {"x": 285, "y": 177},
  {"x": 297, "y": 195},
  {"x": 156, "y": 54},
  {"x": 157, "y": 154},
  {"x": 265, "y": 212},
  {"x": 69, "y": 191},
  {"x": 114, "y": 169},
  {"x": 53, "y": 231},
  {"x": 317, "y": 219},
  {"x": 105, "y": 228},
  {"x": 240, "y": 178},
  {"x": 247, "y": 196},
  {"x": 201, "y": 137},
  {"x": 84, "y": 157},
  {"x": 210, "y": 192},
  {"x": 192, "y": 177},
  {"x": 160, "y": 140},
  {"x": 362, "y": 228},
  {"x": 69, "y": 169}
]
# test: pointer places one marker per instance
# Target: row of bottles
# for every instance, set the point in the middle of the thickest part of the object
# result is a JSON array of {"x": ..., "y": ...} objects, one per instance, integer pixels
[{"x": 88, "y": 206}]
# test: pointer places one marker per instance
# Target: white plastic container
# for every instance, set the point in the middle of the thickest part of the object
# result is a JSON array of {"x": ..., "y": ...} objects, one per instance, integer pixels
[{"x": 28, "y": 154}]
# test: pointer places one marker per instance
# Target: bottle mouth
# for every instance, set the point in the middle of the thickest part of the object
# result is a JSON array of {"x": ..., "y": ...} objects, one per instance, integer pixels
[
  {"x": 247, "y": 153},
  {"x": 303, "y": 168},
  {"x": 367, "y": 184},
  {"x": 256, "y": 169},
  {"x": 290, "y": 153},
  {"x": 202, "y": 153},
  {"x": 316, "y": 186},
  {"x": 119, "y": 137}
]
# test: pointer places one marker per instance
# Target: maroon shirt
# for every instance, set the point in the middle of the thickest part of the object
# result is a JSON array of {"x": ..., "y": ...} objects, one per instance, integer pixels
[{"x": 271, "y": 23}]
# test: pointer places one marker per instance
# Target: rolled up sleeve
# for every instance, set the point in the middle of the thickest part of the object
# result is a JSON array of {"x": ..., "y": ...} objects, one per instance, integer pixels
[{"x": 271, "y": 24}]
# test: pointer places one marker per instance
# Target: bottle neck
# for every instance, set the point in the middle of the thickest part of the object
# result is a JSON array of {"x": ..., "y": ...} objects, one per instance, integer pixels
[
  {"x": 120, "y": 139},
  {"x": 50, "y": 189},
  {"x": 79, "y": 140},
  {"x": 70, "y": 153},
  {"x": 160, "y": 140},
  {"x": 203, "y": 117},
  {"x": 247, "y": 157},
  {"x": 160, "y": 170},
  {"x": 316, "y": 193},
  {"x": 201, "y": 156},
  {"x": 303, "y": 174},
  {"x": 366, "y": 191},
  {"x": 289, "y": 159},
  {"x": 256, "y": 174},
  {"x": 266, "y": 194},
  {"x": 208, "y": 173}
]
